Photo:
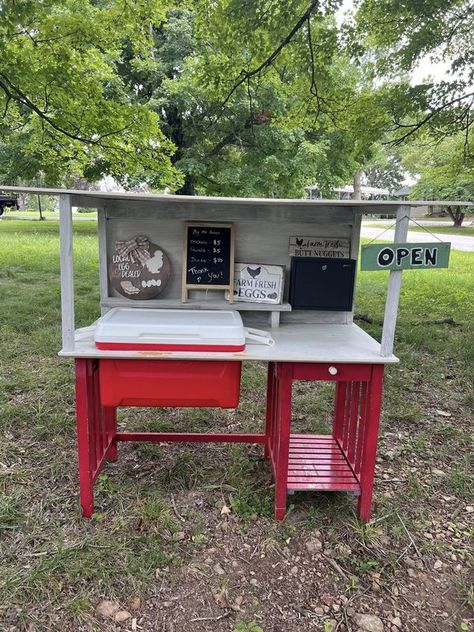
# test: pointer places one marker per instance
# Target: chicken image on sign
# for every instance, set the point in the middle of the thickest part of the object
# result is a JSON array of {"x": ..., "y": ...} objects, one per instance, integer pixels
[
  {"x": 405, "y": 256},
  {"x": 258, "y": 283},
  {"x": 333, "y": 247},
  {"x": 138, "y": 268}
]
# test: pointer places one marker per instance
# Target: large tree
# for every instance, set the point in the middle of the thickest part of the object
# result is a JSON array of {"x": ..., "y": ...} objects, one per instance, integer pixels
[
  {"x": 443, "y": 172},
  {"x": 64, "y": 109},
  {"x": 230, "y": 97},
  {"x": 395, "y": 36},
  {"x": 257, "y": 97}
]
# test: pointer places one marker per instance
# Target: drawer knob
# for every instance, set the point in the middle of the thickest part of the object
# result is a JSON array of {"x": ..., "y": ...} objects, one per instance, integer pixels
[{"x": 332, "y": 370}]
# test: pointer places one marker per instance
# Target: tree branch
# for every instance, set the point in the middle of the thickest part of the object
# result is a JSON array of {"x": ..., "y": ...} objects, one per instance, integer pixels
[
  {"x": 416, "y": 126},
  {"x": 12, "y": 92},
  {"x": 246, "y": 75}
]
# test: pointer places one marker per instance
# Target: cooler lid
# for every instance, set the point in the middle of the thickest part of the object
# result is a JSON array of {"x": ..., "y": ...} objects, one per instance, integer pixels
[{"x": 170, "y": 327}]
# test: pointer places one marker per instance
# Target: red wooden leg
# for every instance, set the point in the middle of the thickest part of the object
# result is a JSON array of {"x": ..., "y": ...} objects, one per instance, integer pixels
[
  {"x": 84, "y": 414},
  {"x": 339, "y": 409},
  {"x": 270, "y": 409},
  {"x": 110, "y": 416},
  {"x": 369, "y": 452},
  {"x": 284, "y": 377}
]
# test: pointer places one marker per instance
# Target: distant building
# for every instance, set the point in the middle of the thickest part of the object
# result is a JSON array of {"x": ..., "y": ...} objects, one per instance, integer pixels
[
  {"x": 346, "y": 192},
  {"x": 419, "y": 211},
  {"x": 402, "y": 193}
]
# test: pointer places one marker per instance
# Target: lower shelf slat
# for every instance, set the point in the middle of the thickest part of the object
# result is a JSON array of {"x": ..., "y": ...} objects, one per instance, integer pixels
[{"x": 316, "y": 462}]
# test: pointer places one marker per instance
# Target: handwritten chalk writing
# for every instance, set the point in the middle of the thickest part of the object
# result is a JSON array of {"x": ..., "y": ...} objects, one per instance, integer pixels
[{"x": 208, "y": 252}]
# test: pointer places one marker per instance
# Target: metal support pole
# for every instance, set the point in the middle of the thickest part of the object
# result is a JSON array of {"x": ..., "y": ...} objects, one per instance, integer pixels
[{"x": 394, "y": 285}]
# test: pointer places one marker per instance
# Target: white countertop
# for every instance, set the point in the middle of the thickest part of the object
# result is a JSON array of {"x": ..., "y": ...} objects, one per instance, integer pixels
[{"x": 293, "y": 343}]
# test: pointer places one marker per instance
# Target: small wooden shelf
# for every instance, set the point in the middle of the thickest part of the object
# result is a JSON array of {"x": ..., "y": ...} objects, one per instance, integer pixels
[
  {"x": 317, "y": 463},
  {"x": 194, "y": 303}
]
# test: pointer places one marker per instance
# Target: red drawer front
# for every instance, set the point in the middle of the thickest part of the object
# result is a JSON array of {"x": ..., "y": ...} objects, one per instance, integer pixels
[
  {"x": 332, "y": 371},
  {"x": 170, "y": 383}
]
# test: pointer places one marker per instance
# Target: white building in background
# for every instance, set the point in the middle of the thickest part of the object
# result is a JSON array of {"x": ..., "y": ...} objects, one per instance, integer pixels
[{"x": 346, "y": 192}]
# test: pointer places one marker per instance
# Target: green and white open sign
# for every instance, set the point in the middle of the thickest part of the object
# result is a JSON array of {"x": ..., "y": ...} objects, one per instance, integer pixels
[{"x": 405, "y": 256}]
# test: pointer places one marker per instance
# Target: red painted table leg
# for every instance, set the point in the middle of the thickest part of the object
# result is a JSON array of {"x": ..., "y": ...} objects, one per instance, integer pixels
[
  {"x": 339, "y": 409},
  {"x": 270, "y": 411},
  {"x": 110, "y": 416},
  {"x": 369, "y": 448},
  {"x": 84, "y": 414},
  {"x": 282, "y": 437}
]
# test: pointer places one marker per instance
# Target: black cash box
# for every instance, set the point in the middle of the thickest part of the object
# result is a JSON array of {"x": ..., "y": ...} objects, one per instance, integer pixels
[{"x": 325, "y": 284}]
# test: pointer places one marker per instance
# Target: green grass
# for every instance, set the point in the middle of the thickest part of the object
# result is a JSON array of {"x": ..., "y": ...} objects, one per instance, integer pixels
[
  {"x": 34, "y": 214},
  {"x": 54, "y": 566}
]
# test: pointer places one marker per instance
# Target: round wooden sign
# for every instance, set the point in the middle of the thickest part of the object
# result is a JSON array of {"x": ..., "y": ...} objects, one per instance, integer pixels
[{"x": 138, "y": 268}]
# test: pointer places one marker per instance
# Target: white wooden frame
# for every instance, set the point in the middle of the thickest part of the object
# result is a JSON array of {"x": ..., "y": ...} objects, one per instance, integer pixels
[
  {"x": 67, "y": 271},
  {"x": 100, "y": 200}
]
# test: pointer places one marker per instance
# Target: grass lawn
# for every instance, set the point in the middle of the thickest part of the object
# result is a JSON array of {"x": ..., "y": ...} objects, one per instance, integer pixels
[
  {"x": 34, "y": 214},
  {"x": 183, "y": 539}
]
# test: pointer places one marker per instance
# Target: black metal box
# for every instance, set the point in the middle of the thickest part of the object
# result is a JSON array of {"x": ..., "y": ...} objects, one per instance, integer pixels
[{"x": 325, "y": 284}]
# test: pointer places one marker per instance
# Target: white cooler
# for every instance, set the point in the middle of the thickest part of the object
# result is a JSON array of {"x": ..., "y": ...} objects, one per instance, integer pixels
[{"x": 138, "y": 329}]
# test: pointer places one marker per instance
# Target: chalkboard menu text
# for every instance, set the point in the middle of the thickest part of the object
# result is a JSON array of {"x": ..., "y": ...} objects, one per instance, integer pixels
[{"x": 208, "y": 258}]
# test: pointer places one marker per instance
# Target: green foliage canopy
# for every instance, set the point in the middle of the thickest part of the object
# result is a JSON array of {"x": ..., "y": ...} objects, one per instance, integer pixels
[
  {"x": 395, "y": 36},
  {"x": 64, "y": 108}
]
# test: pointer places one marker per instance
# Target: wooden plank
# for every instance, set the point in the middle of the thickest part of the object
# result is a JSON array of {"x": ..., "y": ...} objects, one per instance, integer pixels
[
  {"x": 193, "y": 303},
  {"x": 320, "y": 437},
  {"x": 394, "y": 286},
  {"x": 103, "y": 272},
  {"x": 67, "y": 272},
  {"x": 326, "y": 474},
  {"x": 301, "y": 485},
  {"x": 355, "y": 243},
  {"x": 293, "y": 343},
  {"x": 210, "y": 437},
  {"x": 165, "y": 227},
  {"x": 320, "y": 467}
]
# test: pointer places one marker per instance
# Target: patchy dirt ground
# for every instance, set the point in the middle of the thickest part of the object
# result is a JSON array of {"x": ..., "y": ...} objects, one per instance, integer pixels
[{"x": 183, "y": 538}]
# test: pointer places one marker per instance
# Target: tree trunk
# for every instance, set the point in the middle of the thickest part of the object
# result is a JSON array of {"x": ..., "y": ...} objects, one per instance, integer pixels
[
  {"x": 188, "y": 187},
  {"x": 457, "y": 215},
  {"x": 40, "y": 208},
  {"x": 357, "y": 195}
]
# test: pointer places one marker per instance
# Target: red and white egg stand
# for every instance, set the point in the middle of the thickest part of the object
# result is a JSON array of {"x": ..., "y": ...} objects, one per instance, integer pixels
[{"x": 308, "y": 345}]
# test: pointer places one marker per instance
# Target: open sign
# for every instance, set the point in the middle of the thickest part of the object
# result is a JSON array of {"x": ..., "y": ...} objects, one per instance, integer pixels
[{"x": 405, "y": 256}]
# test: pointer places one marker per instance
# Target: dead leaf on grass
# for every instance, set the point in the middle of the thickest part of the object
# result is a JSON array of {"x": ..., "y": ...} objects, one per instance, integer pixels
[
  {"x": 443, "y": 413},
  {"x": 107, "y": 608}
]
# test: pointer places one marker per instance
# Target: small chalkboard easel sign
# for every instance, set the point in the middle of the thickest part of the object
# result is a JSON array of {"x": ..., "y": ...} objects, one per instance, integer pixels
[{"x": 208, "y": 261}]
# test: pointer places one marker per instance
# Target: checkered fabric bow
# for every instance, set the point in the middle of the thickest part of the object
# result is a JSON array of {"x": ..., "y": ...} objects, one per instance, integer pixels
[{"x": 136, "y": 249}]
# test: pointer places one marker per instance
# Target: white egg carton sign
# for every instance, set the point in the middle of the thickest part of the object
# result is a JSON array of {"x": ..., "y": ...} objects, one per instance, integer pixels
[{"x": 258, "y": 283}]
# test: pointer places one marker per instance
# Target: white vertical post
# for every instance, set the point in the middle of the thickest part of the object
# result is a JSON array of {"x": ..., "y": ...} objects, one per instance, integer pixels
[
  {"x": 67, "y": 272},
  {"x": 103, "y": 278},
  {"x": 394, "y": 285}
]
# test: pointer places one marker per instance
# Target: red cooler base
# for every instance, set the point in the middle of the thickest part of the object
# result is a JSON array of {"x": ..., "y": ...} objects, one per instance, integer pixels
[{"x": 170, "y": 383}]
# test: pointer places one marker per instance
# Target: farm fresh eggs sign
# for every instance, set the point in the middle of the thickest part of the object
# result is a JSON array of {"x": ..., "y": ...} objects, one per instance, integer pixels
[{"x": 257, "y": 283}]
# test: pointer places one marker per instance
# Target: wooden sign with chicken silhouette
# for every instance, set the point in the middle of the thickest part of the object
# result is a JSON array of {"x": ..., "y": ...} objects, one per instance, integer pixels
[
  {"x": 333, "y": 247},
  {"x": 258, "y": 283}
]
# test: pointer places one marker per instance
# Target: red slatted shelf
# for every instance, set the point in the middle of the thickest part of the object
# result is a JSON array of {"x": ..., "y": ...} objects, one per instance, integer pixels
[{"x": 316, "y": 462}]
